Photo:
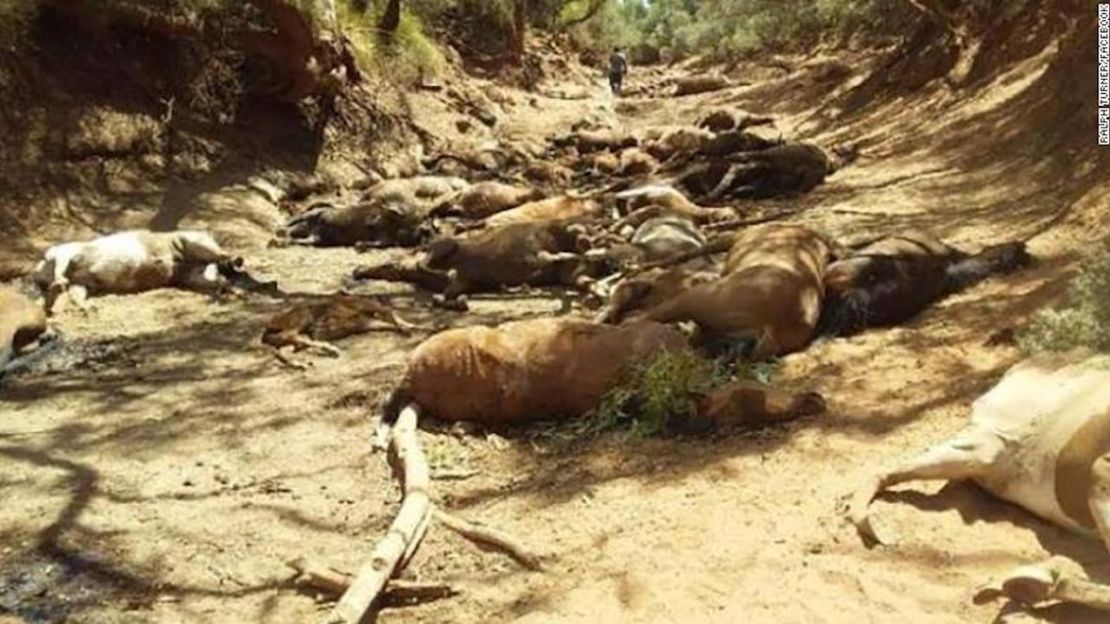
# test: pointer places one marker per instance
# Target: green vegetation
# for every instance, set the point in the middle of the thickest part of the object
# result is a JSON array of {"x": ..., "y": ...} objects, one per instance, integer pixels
[
  {"x": 665, "y": 388},
  {"x": 406, "y": 56},
  {"x": 665, "y": 391},
  {"x": 735, "y": 26},
  {"x": 1084, "y": 320},
  {"x": 683, "y": 26}
]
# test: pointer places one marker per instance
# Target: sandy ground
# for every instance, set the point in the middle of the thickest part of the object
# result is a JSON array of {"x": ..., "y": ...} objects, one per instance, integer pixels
[{"x": 170, "y": 477}]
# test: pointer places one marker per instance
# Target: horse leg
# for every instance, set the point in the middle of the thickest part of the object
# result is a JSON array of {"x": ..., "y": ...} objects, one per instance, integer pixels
[
  {"x": 389, "y": 315},
  {"x": 456, "y": 285},
  {"x": 725, "y": 185},
  {"x": 79, "y": 296},
  {"x": 412, "y": 273},
  {"x": 967, "y": 455},
  {"x": 304, "y": 342}
]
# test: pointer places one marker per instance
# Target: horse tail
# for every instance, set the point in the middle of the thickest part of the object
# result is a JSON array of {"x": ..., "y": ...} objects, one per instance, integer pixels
[{"x": 398, "y": 399}]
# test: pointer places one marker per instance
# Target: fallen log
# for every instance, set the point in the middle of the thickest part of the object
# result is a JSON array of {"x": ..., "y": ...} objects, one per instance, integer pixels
[{"x": 404, "y": 534}]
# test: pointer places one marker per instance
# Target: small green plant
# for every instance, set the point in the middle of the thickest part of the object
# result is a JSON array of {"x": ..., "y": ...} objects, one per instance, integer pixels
[
  {"x": 665, "y": 391},
  {"x": 1084, "y": 320}
]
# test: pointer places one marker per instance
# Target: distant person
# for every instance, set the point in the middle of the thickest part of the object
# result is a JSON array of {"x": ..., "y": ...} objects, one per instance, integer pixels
[{"x": 618, "y": 67}]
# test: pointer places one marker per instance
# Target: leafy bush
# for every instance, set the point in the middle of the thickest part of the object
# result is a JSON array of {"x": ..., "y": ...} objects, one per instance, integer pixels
[
  {"x": 1084, "y": 320},
  {"x": 665, "y": 387},
  {"x": 664, "y": 392}
]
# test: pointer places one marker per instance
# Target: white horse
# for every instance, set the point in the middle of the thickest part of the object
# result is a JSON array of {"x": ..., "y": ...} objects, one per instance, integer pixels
[
  {"x": 129, "y": 262},
  {"x": 1039, "y": 439}
]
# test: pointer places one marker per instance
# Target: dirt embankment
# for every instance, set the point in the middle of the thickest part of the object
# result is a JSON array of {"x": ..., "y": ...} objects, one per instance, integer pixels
[{"x": 170, "y": 481}]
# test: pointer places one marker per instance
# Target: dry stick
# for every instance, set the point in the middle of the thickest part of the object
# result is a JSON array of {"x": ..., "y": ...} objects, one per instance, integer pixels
[
  {"x": 873, "y": 213},
  {"x": 405, "y": 530},
  {"x": 397, "y": 592},
  {"x": 490, "y": 537},
  {"x": 455, "y": 475},
  {"x": 738, "y": 223},
  {"x": 319, "y": 577}
]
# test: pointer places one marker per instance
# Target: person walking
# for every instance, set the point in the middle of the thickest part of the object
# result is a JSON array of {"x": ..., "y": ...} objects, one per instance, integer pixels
[{"x": 618, "y": 67}]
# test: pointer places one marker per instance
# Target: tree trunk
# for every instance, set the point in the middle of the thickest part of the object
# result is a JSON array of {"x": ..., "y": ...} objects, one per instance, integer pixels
[
  {"x": 391, "y": 19},
  {"x": 518, "y": 32}
]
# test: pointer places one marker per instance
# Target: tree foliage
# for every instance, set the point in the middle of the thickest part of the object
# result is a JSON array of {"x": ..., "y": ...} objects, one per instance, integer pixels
[{"x": 736, "y": 26}]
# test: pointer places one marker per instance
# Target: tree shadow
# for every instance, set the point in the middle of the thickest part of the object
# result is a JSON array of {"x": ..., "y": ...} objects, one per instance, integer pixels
[
  {"x": 975, "y": 505},
  {"x": 57, "y": 579}
]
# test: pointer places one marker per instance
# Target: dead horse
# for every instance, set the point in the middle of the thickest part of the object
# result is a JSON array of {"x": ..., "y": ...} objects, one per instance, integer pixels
[
  {"x": 768, "y": 300},
  {"x": 1039, "y": 439},
  {"x": 524, "y": 370},
  {"x": 892, "y": 280},
  {"x": 530, "y": 370}
]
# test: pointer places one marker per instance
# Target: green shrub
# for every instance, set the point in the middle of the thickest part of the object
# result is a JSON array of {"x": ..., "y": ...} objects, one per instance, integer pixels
[
  {"x": 665, "y": 391},
  {"x": 1084, "y": 320},
  {"x": 665, "y": 387}
]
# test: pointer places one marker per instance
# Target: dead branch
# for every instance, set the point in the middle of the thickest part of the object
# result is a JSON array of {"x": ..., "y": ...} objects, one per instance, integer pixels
[
  {"x": 733, "y": 224},
  {"x": 417, "y": 539},
  {"x": 315, "y": 576},
  {"x": 332, "y": 583},
  {"x": 490, "y": 537},
  {"x": 869, "y": 213},
  {"x": 404, "y": 534}
]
